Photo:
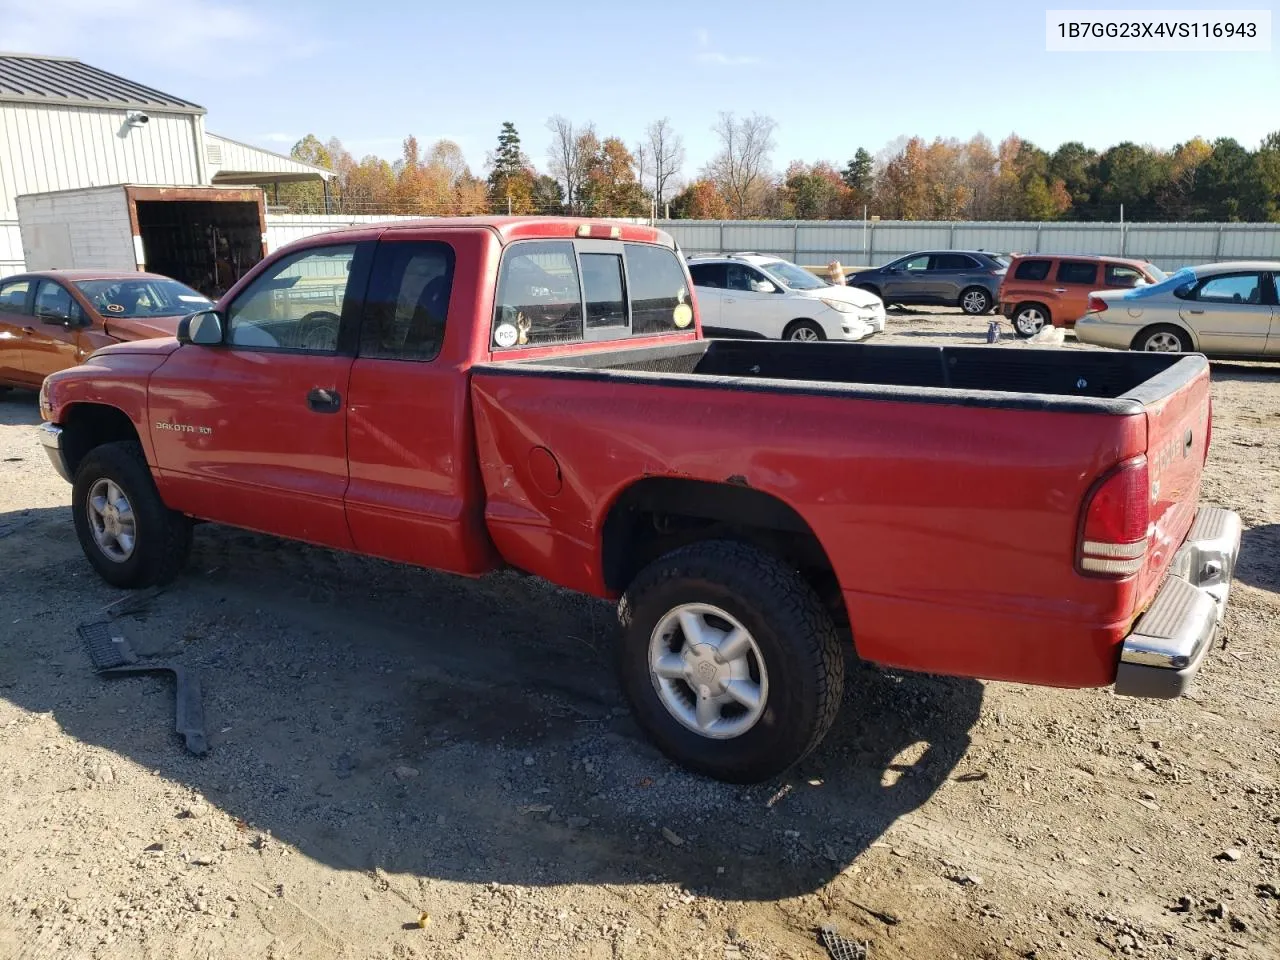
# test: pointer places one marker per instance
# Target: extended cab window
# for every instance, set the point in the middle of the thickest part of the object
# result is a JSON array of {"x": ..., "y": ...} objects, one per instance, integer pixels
[
  {"x": 1077, "y": 271},
  {"x": 408, "y": 299},
  {"x": 539, "y": 297},
  {"x": 296, "y": 304},
  {"x": 1032, "y": 270},
  {"x": 659, "y": 291}
]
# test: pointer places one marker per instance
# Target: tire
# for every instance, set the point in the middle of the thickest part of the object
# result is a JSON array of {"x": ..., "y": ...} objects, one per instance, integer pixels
[
  {"x": 975, "y": 301},
  {"x": 1162, "y": 338},
  {"x": 1030, "y": 318},
  {"x": 161, "y": 538},
  {"x": 805, "y": 331},
  {"x": 799, "y": 676}
]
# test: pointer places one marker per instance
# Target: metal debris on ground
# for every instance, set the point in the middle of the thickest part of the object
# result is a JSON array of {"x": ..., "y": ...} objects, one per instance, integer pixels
[
  {"x": 840, "y": 947},
  {"x": 112, "y": 657}
]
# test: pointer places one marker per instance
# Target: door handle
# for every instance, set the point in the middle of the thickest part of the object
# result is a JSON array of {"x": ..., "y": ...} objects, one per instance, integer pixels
[
  {"x": 729, "y": 300},
  {"x": 324, "y": 400},
  {"x": 28, "y": 331},
  {"x": 1059, "y": 289},
  {"x": 1195, "y": 311}
]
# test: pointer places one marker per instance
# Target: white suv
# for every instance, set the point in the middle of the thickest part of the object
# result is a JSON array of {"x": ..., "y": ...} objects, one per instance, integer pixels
[{"x": 752, "y": 295}]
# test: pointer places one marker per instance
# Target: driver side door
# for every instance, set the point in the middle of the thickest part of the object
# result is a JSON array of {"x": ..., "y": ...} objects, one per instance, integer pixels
[
  {"x": 252, "y": 432},
  {"x": 744, "y": 307},
  {"x": 908, "y": 281}
]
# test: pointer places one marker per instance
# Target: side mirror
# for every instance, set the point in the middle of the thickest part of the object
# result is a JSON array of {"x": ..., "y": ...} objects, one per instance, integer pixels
[
  {"x": 203, "y": 328},
  {"x": 764, "y": 286}
]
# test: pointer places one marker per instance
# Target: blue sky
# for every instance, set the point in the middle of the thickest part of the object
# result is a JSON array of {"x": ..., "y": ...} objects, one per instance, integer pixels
[{"x": 371, "y": 73}]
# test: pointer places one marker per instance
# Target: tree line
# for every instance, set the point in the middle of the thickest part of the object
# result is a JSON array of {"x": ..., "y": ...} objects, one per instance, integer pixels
[{"x": 911, "y": 179}]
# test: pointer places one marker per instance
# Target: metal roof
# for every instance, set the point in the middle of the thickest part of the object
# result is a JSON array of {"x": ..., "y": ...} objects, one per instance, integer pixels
[{"x": 31, "y": 78}]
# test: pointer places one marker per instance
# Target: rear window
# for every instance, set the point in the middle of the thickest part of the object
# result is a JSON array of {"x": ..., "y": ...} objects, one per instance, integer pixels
[
  {"x": 1077, "y": 271},
  {"x": 1032, "y": 270},
  {"x": 551, "y": 291}
]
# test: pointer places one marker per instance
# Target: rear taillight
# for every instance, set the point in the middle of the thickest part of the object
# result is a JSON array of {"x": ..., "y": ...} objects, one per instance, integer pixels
[
  {"x": 1097, "y": 305},
  {"x": 1117, "y": 512}
]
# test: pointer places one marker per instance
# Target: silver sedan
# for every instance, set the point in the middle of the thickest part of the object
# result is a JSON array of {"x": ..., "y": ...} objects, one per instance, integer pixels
[{"x": 1220, "y": 309}]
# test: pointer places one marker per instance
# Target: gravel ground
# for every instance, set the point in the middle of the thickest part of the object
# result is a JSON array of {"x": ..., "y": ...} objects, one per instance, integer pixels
[{"x": 389, "y": 742}]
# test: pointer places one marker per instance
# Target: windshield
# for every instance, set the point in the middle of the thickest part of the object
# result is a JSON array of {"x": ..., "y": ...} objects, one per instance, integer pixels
[
  {"x": 789, "y": 275},
  {"x": 1156, "y": 272},
  {"x": 144, "y": 297}
]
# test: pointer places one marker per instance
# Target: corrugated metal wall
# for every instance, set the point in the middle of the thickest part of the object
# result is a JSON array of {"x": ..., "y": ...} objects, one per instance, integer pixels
[
  {"x": 44, "y": 147},
  {"x": 811, "y": 242},
  {"x": 10, "y": 248}
]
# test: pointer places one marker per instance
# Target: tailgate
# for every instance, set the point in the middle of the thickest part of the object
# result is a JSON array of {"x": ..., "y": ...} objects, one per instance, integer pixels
[{"x": 1177, "y": 444}]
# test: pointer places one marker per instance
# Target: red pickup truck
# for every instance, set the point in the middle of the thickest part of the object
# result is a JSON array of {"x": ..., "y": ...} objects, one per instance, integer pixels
[{"x": 536, "y": 394}]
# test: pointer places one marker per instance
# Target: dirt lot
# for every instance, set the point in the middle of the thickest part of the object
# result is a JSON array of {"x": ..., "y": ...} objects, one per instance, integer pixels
[{"x": 388, "y": 742}]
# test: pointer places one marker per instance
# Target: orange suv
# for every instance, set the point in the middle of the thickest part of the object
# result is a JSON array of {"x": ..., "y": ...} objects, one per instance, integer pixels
[{"x": 1041, "y": 289}]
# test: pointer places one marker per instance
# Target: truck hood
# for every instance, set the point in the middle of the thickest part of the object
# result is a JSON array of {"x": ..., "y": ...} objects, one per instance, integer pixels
[
  {"x": 141, "y": 328},
  {"x": 853, "y": 295},
  {"x": 152, "y": 345}
]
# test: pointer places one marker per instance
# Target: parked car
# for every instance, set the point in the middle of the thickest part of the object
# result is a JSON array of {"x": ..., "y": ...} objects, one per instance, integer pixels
[
  {"x": 968, "y": 279},
  {"x": 54, "y": 319},
  {"x": 750, "y": 295},
  {"x": 1220, "y": 309},
  {"x": 1040, "y": 290},
  {"x": 743, "y": 500}
]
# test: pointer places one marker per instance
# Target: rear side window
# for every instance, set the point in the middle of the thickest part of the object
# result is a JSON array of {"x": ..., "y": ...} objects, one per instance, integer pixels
[
  {"x": 954, "y": 261},
  {"x": 659, "y": 291},
  {"x": 1077, "y": 271},
  {"x": 708, "y": 274},
  {"x": 539, "y": 297},
  {"x": 408, "y": 300},
  {"x": 1032, "y": 270},
  {"x": 13, "y": 296}
]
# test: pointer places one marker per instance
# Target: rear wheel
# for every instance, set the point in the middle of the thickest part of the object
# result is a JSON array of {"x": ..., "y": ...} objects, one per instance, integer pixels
[
  {"x": 127, "y": 533},
  {"x": 730, "y": 661},
  {"x": 1163, "y": 338},
  {"x": 1029, "y": 319},
  {"x": 805, "y": 330},
  {"x": 975, "y": 301}
]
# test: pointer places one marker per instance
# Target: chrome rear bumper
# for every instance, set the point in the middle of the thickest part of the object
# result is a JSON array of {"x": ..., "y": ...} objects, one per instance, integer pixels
[{"x": 1170, "y": 640}]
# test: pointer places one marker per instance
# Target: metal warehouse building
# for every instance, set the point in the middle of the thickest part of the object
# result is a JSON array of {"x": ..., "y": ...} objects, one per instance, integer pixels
[{"x": 66, "y": 127}]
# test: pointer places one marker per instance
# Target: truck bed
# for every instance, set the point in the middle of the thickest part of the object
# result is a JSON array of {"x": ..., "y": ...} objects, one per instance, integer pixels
[
  {"x": 945, "y": 484},
  {"x": 1056, "y": 379}
]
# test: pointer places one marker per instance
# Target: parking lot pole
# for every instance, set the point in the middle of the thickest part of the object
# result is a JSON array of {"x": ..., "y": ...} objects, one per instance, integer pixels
[{"x": 795, "y": 243}]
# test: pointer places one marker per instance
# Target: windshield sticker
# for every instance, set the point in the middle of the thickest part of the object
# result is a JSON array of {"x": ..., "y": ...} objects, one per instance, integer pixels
[
  {"x": 506, "y": 335},
  {"x": 682, "y": 316},
  {"x": 115, "y": 308}
]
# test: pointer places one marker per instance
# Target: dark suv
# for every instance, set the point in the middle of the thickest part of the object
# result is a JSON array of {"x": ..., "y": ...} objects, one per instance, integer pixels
[{"x": 968, "y": 279}]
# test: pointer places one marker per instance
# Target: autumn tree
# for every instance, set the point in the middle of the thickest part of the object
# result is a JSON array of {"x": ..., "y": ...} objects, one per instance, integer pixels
[
  {"x": 1267, "y": 160},
  {"x": 547, "y": 195},
  {"x": 740, "y": 170},
  {"x": 814, "y": 192},
  {"x": 307, "y": 196},
  {"x": 572, "y": 153},
  {"x": 901, "y": 190},
  {"x": 700, "y": 200},
  {"x": 612, "y": 184},
  {"x": 1077, "y": 167}
]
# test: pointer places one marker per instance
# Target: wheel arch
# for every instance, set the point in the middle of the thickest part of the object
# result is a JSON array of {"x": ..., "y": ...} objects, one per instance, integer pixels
[
  {"x": 655, "y": 515},
  {"x": 87, "y": 425}
]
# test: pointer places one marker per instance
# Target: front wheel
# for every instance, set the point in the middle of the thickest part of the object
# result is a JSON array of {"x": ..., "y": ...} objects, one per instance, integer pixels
[
  {"x": 975, "y": 301},
  {"x": 730, "y": 662},
  {"x": 805, "y": 331},
  {"x": 1163, "y": 338},
  {"x": 127, "y": 533}
]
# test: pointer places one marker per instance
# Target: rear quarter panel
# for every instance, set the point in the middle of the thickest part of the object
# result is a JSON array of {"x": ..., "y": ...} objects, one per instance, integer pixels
[{"x": 951, "y": 528}]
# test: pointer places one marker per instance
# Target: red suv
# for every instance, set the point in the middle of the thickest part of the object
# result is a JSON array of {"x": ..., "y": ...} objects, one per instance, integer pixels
[{"x": 1039, "y": 290}]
